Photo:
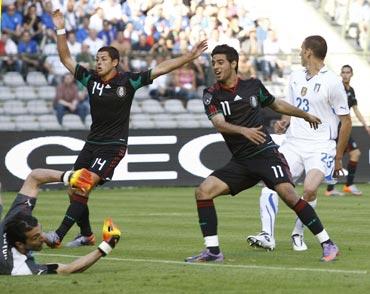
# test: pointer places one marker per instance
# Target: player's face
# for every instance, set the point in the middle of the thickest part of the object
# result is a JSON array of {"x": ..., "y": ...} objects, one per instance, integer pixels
[
  {"x": 222, "y": 68},
  {"x": 304, "y": 55},
  {"x": 34, "y": 239},
  {"x": 346, "y": 74},
  {"x": 104, "y": 63}
]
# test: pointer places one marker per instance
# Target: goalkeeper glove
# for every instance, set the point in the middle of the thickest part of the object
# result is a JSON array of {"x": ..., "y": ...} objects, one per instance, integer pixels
[
  {"x": 111, "y": 236},
  {"x": 80, "y": 179}
]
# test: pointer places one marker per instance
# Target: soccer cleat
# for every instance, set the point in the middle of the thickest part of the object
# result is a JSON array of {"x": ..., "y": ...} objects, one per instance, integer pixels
[
  {"x": 51, "y": 239},
  {"x": 82, "y": 241},
  {"x": 333, "y": 192},
  {"x": 352, "y": 189},
  {"x": 298, "y": 243},
  {"x": 330, "y": 252},
  {"x": 205, "y": 256},
  {"x": 262, "y": 240}
]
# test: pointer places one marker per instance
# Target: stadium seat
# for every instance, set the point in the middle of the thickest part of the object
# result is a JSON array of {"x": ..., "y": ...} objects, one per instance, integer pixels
[
  {"x": 165, "y": 124},
  {"x": 49, "y": 122},
  {"x": 142, "y": 124},
  {"x": 88, "y": 121},
  {"x": 6, "y": 93},
  {"x": 37, "y": 107},
  {"x": 140, "y": 116},
  {"x": 195, "y": 106},
  {"x": 5, "y": 119},
  {"x": 135, "y": 107},
  {"x": 14, "y": 107},
  {"x": 28, "y": 126},
  {"x": 206, "y": 123},
  {"x": 46, "y": 92},
  {"x": 7, "y": 126},
  {"x": 72, "y": 122},
  {"x": 163, "y": 116},
  {"x": 25, "y": 93},
  {"x": 188, "y": 124},
  {"x": 13, "y": 79},
  {"x": 151, "y": 106},
  {"x": 142, "y": 94},
  {"x": 36, "y": 78},
  {"x": 174, "y": 106}
]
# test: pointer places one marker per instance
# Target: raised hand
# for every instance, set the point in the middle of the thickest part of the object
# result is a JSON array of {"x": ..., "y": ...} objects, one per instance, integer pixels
[
  {"x": 111, "y": 236},
  {"x": 58, "y": 19},
  {"x": 199, "y": 48}
]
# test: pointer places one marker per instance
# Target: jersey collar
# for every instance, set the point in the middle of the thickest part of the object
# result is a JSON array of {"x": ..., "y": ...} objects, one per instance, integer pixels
[
  {"x": 231, "y": 89},
  {"x": 111, "y": 79}
]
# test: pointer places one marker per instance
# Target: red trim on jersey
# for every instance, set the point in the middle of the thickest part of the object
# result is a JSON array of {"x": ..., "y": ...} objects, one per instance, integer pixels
[
  {"x": 212, "y": 109},
  {"x": 230, "y": 89},
  {"x": 107, "y": 81}
]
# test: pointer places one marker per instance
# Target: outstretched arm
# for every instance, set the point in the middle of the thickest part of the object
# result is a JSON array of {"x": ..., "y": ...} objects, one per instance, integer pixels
[
  {"x": 343, "y": 136},
  {"x": 63, "y": 50},
  {"x": 172, "y": 64},
  {"x": 361, "y": 118},
  {"x": 285, "y": 108}
]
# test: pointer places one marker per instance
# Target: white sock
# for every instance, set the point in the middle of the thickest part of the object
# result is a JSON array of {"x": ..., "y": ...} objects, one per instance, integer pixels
[
  {"x": 211, "y": 241},
  {"x": 299, "y": 226},
  {"x": 269, "y": 205},
  {"x": 323, "y": 236}
]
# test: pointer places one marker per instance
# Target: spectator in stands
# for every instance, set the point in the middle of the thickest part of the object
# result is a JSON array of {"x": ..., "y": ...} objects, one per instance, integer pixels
[
  {"x": 142, "y": 46},
  {"x": 8, "y": 53},
  {"x": 161, "y": 88},
  {"x": 68, "y": 100},
  {"x": 46, "y": 15},
  {"x": 70, "y": 16},
  {"x": 246, "y": 68},
  {"x": 270, "y": 62},
  {"x": 83, "y": 31},
  {"x": 29, "y": 53},
  {"x": 73, "y": 45},
  {"x": 160, "y": 48},
  {"x": 111, "y": 11},
  {"x": 108, "y": 34},
  {"x": 83, "y": 8},
  {"x": 185, "y": 82},
  {"x": 96, "y": 20},
  {"x": 11, "y": 21},
  {"x": 85, "y": 58},
  {"x": 93, "y": 41},
  {"x": 32, "y": 23}
]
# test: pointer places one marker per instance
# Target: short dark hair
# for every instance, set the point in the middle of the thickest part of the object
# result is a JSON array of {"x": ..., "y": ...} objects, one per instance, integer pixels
[
  {"x": 318, "y": 46},
  {"x": 18, "y": 226},
  {"x": 230, "y": 52},
  {"x": 113, "y": 52},
  {"x": 348, "y": 66}
]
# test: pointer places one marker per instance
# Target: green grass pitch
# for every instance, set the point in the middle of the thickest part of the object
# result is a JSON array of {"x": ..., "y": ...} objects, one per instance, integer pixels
[{"x": 160, "y": 228}]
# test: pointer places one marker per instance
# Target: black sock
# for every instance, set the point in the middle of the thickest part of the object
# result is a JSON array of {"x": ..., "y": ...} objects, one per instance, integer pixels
[
  {"x": 351, "y": 167},
  {"x": 84, "y": 223},
  {"x": 330, "y": 188},
  {"x": 73, "y": 213},
  {"x": 207, "y": 217},
  {"x": 308, "y": 216}
]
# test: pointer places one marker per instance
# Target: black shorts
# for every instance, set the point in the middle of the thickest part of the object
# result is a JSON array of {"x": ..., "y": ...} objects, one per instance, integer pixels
[
  {"x": 270, "y": 166},
  {"x": 352, "y": 145},
  {"x": 100, "y": 159}
]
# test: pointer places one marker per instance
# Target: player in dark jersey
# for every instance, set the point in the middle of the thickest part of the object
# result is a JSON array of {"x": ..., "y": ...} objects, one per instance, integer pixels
[
  {"x": 20, "y": 233},
  {"x": 352, "y": 147},
  {"x": 234, "y": 107},
  {"x": 111, "y": 93}
]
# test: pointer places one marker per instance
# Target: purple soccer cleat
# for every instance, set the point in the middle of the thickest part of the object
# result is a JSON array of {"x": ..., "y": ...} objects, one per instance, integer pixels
[
  {"x": 206, "y": 256},
  {"x": 330, "y": 252}
]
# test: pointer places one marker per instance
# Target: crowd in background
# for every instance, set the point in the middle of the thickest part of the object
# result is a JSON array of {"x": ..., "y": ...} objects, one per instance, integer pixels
[{"x": 144, "y": 32}]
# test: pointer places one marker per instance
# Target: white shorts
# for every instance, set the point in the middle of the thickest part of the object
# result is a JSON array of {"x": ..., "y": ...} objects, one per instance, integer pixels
[{"x": 300, "y": 160}]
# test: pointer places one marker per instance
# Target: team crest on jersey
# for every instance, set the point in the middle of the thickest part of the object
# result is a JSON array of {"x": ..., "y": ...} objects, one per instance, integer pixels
[
  {"x": 253, "y": 101},
  {"x": 303, "y": 91},
  {"x": 121, "y": 91},
  {"x": 317, "y": 87},
  {"x": 207, "y": 98}
]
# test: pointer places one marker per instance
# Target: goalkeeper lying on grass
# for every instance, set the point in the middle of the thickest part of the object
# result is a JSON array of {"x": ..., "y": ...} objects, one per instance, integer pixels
[{"x": 20, "y": 232}]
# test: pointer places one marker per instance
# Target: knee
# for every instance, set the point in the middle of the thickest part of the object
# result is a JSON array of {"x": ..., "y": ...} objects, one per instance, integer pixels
[
  {"x": 355, "y": 155},
  {"x": 201, "y": 193},
  {"x": 309, "y": 194}
]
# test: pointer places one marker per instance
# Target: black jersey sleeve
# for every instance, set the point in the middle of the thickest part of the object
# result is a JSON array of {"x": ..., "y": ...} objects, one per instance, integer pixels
[
  {"x": 82, "y": 74},
  {"x": 264, "y": 96},
  {"x": 140, "y": 79},
  {"x": 211, "y": 105}
]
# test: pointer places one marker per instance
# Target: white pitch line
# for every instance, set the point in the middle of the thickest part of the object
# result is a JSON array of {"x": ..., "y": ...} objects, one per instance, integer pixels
[{"x": 239, "y": 266}]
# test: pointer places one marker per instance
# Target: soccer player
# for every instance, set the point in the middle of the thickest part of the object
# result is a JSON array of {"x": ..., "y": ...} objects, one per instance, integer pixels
[
  {"x": 317, "y": 91},
  {"x": 111, "y": 93},
  {"x": 234, "y": 107},
  {"x": 352, "y": 148},
  {"x": 21, "y": 234}
]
